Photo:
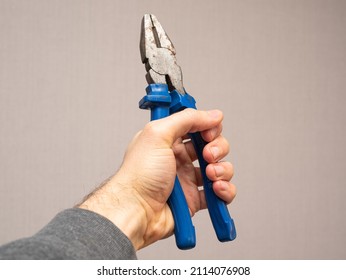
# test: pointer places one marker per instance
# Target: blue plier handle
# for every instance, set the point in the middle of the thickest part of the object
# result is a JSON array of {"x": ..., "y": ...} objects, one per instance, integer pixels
[{"x": 165, "y": 96}]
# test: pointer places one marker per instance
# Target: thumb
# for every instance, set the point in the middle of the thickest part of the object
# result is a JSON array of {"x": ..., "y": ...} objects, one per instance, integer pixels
[{"x": 189, "y": 120}]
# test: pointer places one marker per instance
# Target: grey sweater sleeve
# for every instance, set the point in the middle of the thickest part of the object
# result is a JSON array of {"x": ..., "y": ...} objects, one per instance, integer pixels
[{"x": 73, "y": 234}]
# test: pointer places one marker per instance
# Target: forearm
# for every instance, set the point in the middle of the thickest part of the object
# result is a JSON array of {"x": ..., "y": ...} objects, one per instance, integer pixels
[{"x": 73, "y": 234}]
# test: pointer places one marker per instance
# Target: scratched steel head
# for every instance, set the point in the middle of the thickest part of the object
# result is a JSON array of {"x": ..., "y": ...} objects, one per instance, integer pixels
[{"x": 158, "y": 55}]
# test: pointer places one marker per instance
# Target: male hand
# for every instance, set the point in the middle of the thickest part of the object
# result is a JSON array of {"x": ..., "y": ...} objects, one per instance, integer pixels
[{"x": 135, "y": 198}]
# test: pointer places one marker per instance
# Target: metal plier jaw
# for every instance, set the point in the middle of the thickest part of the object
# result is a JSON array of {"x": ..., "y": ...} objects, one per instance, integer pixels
[
  {"x": 165, "y": 96},
  {"x": 158, "y": 54}
]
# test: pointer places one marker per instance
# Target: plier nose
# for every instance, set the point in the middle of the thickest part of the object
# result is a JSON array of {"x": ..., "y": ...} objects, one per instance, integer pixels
[{"x": 158, "y": 54}]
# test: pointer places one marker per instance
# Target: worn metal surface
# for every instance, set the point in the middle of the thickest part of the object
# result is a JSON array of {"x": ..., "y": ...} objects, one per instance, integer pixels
[{"x": 158, "y": 55}]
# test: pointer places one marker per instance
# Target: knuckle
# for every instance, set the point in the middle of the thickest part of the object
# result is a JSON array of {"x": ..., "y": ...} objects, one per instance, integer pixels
[
  {"x": 189, "y": 113},
  {"x": 152, "y": 128},
  {"x": 230, "y": 168},
  {"x": 157, "y": 132},
  {"x": 224, "y": 144},
  {"x": 228, "y": 147}
]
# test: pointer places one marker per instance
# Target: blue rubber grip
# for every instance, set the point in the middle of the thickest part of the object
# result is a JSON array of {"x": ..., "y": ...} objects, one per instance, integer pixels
[
  {"x": 158, "y": 100},
  {"x": 184, "y": 231},
  {"x": 221, "y": 219}
]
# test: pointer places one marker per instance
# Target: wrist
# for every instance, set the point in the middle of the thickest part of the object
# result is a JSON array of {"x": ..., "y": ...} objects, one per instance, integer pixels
[{"x": 116, "y": 203}]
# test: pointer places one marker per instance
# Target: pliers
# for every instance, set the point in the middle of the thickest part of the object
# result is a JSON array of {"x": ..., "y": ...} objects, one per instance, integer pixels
[{"x": 166, "y": 95}]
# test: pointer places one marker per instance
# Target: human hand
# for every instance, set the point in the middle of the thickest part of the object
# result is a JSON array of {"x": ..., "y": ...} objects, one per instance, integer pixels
[{"x": 135, "y": 198}]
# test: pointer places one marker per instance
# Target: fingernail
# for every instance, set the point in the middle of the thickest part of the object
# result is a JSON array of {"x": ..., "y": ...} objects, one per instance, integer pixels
[
  {"x": 215, "y": 151},
  {"x": 218, "y": 170},
  {"x": 214, "y": 113}
]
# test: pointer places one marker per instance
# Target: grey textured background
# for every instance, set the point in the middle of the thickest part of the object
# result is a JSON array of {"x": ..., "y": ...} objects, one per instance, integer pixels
[{"x": 71, "y": 78}]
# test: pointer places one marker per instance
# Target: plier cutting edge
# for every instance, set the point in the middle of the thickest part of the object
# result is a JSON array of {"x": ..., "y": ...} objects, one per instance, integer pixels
[{"x": 166, "y": 95}]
